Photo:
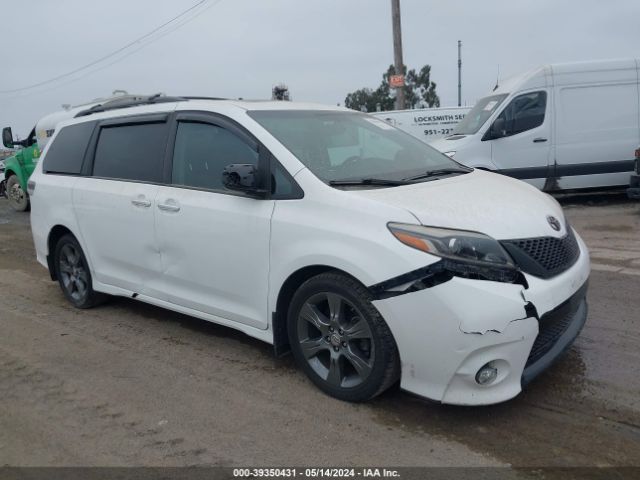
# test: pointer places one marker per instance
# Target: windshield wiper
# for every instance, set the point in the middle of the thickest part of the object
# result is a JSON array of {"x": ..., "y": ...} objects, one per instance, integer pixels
[
  {"x": 435, "y": 173},
  {"x": 369, "y": 181}
]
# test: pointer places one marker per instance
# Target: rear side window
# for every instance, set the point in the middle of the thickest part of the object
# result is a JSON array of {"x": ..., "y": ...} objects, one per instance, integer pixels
[
  {"x": 131, "y": 152},
  {"x": 66, "y": 153}
]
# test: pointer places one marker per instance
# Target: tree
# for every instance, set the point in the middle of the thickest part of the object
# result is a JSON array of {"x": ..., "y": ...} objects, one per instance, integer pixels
[
  {"x": 423, "y": 88},
  {"x": 369, "y": 99},
  {"x": 419, "y": 91}
]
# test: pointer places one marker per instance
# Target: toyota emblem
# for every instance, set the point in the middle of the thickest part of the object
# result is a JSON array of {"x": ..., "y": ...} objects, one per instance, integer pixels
[{"x": 554, "y": 222}]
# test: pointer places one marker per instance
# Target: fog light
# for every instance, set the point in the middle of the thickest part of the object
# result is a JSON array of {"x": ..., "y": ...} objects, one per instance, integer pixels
[{"x": 487, "y": 374}]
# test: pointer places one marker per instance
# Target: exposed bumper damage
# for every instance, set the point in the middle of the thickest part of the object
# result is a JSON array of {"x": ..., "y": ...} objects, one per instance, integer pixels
[{"x": 448, "y": 327}]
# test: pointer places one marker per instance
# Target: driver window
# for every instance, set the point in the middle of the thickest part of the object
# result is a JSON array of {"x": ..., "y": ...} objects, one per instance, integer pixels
[
  {"x": 202, "y": 151},
  {"x": 525, "y": 112}
]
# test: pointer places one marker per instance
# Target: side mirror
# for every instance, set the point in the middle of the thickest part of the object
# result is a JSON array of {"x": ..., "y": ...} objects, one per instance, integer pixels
[
  {"x": 7, "y": 137},
  {"x": 243, "y": 178},
  {"x": 498, "y": 128}
]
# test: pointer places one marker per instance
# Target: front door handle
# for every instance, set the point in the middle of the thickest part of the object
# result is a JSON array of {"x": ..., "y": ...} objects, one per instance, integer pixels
[
  {"x": 539, "y": 140},
  {"x": 141, "y": 202},
  {"x": 170, "y": 206}
]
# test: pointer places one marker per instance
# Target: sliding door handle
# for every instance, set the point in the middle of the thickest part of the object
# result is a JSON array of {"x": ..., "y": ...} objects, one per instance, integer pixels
[{"x": 539, "y": 140}]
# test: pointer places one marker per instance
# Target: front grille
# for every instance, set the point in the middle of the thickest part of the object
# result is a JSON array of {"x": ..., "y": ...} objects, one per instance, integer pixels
[
  {"x": 544, "y": 256},
  {"x": 554, "y": 323}
]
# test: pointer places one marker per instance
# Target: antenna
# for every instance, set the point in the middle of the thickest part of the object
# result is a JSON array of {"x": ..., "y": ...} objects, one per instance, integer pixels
[{"x": 497, "y": 79}]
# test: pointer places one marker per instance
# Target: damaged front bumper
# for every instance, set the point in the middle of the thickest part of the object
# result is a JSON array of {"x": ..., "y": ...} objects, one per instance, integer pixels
[{"x": 447, "y": 332}]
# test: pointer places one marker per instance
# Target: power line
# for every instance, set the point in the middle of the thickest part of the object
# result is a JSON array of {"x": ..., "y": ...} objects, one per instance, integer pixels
[
  {"x": 123, "y": 48},
  {"x": 121, "y": 57}
]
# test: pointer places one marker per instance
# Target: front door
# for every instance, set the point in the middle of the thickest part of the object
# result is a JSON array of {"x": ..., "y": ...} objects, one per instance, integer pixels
[
  {"x": 214, "y": 243},
  {"x": 524, "y": 150}
]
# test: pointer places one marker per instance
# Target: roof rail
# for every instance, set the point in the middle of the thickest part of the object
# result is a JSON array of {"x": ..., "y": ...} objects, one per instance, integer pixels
[
  {"x": 118, "y": 103},
  {"x": 204, "y": 98}
]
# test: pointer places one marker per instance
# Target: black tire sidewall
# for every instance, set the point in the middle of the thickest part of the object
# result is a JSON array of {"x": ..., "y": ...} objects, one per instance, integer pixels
[
  {"x": 355, "y": 293},
  {"x": 88, "y": 300}
]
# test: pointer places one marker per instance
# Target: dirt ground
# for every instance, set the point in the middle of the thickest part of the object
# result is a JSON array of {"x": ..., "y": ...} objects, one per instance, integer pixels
[{"x": 130, "y": 384}]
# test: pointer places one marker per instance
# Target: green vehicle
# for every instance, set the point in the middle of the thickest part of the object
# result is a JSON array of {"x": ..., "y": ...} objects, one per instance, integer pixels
[{"x": 18, "y": 168}]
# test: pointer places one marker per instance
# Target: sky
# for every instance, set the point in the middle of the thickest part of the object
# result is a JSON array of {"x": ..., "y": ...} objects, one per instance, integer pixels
[{"x": 321, "y": 49}]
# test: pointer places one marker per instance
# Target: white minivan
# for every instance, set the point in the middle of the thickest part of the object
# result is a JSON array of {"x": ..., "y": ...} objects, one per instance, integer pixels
[
  {"x": 558, "y": 127},
  {"x": 329, "y": 233}
]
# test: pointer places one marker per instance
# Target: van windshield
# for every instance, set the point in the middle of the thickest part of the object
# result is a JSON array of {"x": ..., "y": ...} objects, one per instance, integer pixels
[
  {"x": 351, "y": 147},
  {"x": 479, "y": 114}
]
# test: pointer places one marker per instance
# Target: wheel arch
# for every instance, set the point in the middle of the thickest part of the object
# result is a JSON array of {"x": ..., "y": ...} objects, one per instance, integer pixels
[
  {"x": 8, "y": 172},
  {"x": 287, "y": 290}
]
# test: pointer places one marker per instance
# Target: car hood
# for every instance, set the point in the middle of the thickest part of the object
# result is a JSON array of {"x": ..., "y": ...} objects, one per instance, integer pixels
[{"x": 480, "y": 201}]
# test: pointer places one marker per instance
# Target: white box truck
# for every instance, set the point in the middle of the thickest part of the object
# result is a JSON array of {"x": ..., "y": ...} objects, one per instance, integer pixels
[
  {"x": 558, "y": 127},
  {"x": 426, "y": 124}
]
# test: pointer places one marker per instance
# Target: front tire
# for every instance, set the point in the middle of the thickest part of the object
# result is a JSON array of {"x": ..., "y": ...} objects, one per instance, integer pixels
[
  {"x": 74, "y": 276},
  {"x": 340, "y": 340},
  {"x": 18, "y": 198}
]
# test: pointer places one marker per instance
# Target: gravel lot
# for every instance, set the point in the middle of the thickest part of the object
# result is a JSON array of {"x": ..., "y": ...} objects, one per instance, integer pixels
[{"x": 131, "y": 384}]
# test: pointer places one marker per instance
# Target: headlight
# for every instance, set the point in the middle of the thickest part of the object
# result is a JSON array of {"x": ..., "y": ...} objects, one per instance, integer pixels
[
  {"x": 465, "y": 254},
  {"x": 450, "y": 154},
  {"x": 454, "y": 244}
]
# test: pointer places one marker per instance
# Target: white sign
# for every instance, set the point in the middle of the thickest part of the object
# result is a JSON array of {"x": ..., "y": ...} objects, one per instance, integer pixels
[{"x": 427, "y": 124}]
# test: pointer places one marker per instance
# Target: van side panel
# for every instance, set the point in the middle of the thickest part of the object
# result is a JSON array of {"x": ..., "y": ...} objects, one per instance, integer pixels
[{"x": 597, "y": 127}]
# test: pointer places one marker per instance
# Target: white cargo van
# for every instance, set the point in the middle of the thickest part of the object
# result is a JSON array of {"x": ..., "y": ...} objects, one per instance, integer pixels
[
  {"x": 426, "y": 124},
  {"x": 558, "y": 127}
]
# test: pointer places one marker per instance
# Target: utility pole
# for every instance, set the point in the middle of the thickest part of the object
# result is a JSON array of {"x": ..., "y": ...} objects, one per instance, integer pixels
[
  {"x": 397, "y": 51},
  {"x": 459, "y": 73}
]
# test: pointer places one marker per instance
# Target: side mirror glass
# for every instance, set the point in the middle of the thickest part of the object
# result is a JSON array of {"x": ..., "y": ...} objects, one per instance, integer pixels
[
  {"x": 241, "y": 177},
  {"x": 7, "y": 137}
]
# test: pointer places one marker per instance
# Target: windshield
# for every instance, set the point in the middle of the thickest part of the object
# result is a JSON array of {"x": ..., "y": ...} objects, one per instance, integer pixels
[
  {"x": 479, "y": 114},
  {"x": 338, "y": 146}
]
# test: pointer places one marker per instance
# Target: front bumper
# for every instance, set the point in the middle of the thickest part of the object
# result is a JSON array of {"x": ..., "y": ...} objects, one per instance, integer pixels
[
  {"x": 446, "y": 333},
  {"x": 634, "y": 187},
  {"x": 558, "y": 329}
]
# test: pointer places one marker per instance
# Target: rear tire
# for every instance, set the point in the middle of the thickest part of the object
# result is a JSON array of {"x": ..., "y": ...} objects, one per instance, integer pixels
[
  {"x": 18, "y": 198},
  {"x": 74, "y": 276},
  {"x": 340, "y": 340}
]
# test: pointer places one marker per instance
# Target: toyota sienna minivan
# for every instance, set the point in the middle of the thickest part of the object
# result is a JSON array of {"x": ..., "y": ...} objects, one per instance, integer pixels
[{"x": 369, "y": 255}]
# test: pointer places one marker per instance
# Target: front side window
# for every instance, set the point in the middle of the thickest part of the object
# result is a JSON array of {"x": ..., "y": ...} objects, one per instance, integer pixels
[
  {"x": 525, "y": 112},
  {"x": 131, "y": 152},
  {"x": 202, "y": 151},
  {"x": 339, "y": 146}
]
